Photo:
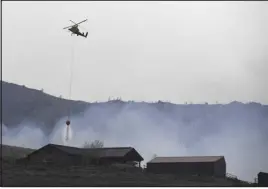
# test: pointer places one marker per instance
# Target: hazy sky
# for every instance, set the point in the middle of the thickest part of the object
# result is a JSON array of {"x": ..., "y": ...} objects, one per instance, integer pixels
[{"x": 172, "y": 51}]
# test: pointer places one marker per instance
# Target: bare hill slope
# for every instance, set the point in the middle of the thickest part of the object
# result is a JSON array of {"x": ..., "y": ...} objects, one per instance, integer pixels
[{"x": 22, "y": 104}]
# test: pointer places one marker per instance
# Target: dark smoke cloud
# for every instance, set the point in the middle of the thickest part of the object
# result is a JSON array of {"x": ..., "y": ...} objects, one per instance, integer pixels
[{"x": 166, "y": 133}]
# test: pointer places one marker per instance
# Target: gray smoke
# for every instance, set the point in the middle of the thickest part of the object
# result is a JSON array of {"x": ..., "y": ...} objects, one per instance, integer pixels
[{"x": 153, "y": 131}]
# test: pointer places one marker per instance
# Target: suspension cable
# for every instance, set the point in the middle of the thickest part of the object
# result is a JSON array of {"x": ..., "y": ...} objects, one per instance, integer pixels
[
  {"x": 71, "y": 76},
  {"x": 68, "y": 122}
]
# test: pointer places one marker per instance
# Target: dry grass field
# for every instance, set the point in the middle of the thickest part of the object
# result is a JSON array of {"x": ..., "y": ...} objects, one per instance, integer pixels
[{"x": 15, "y": 152}]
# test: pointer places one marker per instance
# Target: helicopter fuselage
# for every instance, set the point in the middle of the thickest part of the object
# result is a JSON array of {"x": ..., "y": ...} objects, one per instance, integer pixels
[{"x": 75, "y": 30}]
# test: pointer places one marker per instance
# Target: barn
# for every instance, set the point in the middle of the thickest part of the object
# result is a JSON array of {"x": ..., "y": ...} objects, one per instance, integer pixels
[
  {"x": 262, "y": 179},
  {"x": 66, "y": 155},
  {"x": 193, "y": 165}
]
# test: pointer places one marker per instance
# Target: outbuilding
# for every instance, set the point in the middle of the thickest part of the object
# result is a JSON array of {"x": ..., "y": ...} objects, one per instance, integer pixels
[
  {"x": 193, "y": 165},
  {"x": 66, "y": 155},
  {"x": 263, "y": 179}
]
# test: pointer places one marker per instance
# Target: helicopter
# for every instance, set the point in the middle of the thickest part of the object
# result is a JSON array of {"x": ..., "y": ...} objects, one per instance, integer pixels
[{"x": 74, "y": 29}]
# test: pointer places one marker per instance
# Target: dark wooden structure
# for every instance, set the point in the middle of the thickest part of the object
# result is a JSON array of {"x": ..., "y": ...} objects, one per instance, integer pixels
[
  {"x": 65, "y": 155},
  {"x": 263, "y": 179},
  {"x": 185, "y": 166}
]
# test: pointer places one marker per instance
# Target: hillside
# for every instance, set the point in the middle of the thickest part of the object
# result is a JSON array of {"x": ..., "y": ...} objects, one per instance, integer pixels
[
  {"x": 160, "y": 128},
  {"x": 22, "y": 104},
  {"x": 14, "y": 152},
  {"x": 97, "y": 176}
]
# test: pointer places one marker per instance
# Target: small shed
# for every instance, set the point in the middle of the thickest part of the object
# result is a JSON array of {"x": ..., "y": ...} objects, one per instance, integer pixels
[
  {"x": 193, "y": 165},
  {"x": 66, "y": 155},
  {"x": 263, "y": 179}
]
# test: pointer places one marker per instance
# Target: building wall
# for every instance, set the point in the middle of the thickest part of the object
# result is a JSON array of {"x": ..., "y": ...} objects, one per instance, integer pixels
[
  {"x": 108, "y": 161},
  {"x": 206, "y": 168},
  {"x": 220, "y": 168},
  {"x": 133, "y": 155},
  {"x": 263, "y": 179}
]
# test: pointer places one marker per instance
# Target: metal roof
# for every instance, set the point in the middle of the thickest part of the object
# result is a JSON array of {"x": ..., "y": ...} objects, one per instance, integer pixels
[
  {"x": 108, "y": 152},
  {"x": 189, "y": 159},
  {"x": 67, "y": 149},
  {"x": 96, "y": 152}
]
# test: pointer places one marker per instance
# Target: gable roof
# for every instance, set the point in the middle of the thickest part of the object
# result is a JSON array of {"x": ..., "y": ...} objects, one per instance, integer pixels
[
  {"x": 108, "y": 152},
  {"x": 263, "y": 174},
  {"x": 189, "y": 159},
  {"x": 96, "y": 152},
  {"x": 67, "y": 149}
]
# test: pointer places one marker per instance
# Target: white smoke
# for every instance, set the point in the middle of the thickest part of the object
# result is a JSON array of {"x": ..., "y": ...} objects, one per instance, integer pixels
[{"x": 151, "y": 132}]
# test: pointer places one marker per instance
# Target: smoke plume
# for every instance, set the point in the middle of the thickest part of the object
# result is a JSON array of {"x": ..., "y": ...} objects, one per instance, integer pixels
[{"x": 161, "y": 130}]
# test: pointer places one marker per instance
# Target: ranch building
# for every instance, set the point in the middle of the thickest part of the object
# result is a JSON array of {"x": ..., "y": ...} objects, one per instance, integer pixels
[
  {"x": 66, "y": 155},
  {"x": 195, "y": 165},
  {"x": 263, "y": 179}
]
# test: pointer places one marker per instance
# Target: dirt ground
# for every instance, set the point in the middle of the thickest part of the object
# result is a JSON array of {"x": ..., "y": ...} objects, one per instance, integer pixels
[{"x": 21, "y": 175}]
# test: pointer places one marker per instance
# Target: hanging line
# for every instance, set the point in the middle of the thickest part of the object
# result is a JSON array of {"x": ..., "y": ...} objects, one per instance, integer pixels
[
  {"x": 68, "y": 122},
  {"x": 71, "y": 76}
]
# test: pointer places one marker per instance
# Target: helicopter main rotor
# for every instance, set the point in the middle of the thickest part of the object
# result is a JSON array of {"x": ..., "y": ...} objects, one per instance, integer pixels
[{"x": 75, "y": 24}]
